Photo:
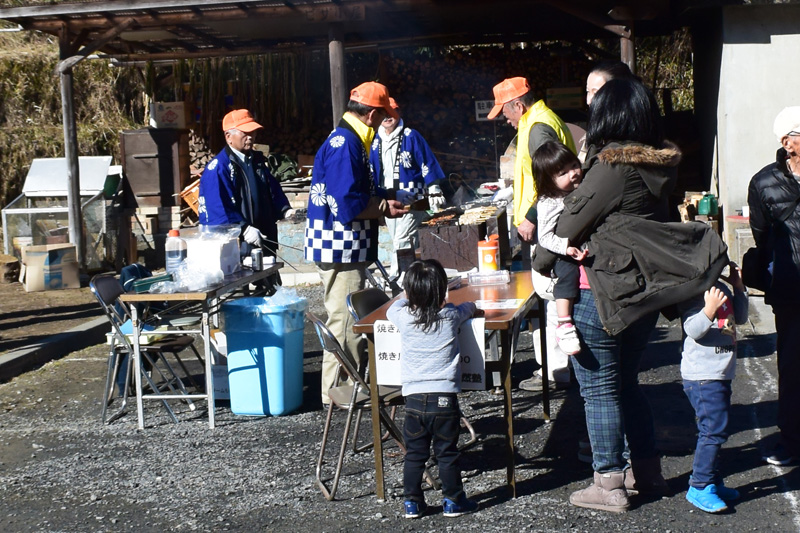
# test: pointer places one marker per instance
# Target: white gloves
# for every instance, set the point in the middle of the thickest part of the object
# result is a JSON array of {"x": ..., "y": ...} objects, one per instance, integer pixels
[
  {"x": 404, "y": 197},
  {"x": 289, "y": 213},
  {"x": 503, "y": 194},
  {"x": 435, "y": 197},
  {"x": 252, "y": 236}
]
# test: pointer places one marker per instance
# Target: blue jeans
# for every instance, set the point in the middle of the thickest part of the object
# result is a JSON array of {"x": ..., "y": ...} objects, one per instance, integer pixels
[
  {"x": 437, "y": 417},
  {"x": 711, "y": 400},
  {"x": 607, "y": 369}
]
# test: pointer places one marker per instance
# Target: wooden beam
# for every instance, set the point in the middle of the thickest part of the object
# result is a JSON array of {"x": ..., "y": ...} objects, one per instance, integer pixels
[
  {"x": 308, "y": 13},
  {"x": 115, "y": 5},
  {"x": 210, "y": 39},
  {"x": 105, "y": 38},
  {"x": 591, "y": 18}
]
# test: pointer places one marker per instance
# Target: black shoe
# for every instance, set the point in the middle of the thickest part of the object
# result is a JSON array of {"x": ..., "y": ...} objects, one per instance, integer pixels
[{"x": 780, "y": 456}]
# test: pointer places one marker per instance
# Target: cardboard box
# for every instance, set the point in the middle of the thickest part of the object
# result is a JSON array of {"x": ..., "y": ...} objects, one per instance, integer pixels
[
  {"x": 222, "y": 253},
  {"x": 168, "y": 115},
  {"x": 49, "y": 267}
]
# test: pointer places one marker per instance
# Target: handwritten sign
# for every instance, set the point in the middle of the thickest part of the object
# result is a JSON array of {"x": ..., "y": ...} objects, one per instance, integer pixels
[{"x": 471, "y": 341}]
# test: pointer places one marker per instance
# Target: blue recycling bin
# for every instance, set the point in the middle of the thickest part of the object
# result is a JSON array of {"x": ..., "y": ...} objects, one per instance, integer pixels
[{"x": 265, "y": 355}]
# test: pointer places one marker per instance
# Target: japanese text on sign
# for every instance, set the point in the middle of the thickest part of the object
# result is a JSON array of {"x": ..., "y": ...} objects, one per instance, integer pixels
[
  {"x": 471, "y": 340},
  {"x": 482, "y": 108}
]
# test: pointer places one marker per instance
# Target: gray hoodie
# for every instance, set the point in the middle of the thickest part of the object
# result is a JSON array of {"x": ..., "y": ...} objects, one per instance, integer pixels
[{"x": 430, "y": 359}]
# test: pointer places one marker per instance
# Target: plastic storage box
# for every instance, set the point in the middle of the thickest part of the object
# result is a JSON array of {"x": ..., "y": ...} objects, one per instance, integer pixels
[{"x": 265, "y": 355}]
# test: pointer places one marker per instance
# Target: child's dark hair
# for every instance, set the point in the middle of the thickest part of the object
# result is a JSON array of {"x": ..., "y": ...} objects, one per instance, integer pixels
[
  {"x": 426, "y": 287},
  {"x": 548, "y": 161}
]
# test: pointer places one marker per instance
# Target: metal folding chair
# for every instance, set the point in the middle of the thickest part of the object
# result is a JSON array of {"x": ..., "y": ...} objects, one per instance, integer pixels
[
  {"x": 352, "y": 397},
  {"x": 107, "y": 290}
]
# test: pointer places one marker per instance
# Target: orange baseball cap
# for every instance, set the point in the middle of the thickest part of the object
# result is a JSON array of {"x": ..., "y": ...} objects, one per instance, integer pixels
[
  {"x": 240, "y": 119},
  {"x": 373, "y": 94},
  {"x": 393, "y": 103},
  {"x": 506, "y": 91}
]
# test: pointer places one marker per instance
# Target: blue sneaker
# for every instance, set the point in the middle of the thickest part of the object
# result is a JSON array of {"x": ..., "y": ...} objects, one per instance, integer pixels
[
  {"x": 707, "y": 499},
  {"x": 727, "y": 493},
  {"x": 414, "y": 509},
  {"x": 463, "y": 506}
]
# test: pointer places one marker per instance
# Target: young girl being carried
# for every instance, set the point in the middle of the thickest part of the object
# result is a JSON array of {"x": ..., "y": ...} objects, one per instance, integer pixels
[{"x": 557, "y": 172}]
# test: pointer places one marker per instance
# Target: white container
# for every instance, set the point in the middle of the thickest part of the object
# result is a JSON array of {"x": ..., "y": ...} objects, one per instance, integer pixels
[{"x": 175, "y": 250}]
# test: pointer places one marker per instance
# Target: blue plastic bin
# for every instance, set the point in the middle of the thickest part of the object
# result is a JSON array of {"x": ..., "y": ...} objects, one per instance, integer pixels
[{"x": 265, "y": 355}]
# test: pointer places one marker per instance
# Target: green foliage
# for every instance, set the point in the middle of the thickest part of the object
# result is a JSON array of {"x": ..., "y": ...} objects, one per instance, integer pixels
[
  {"x": 107, "y": 101},
  {"x": 666, "y": 63}
]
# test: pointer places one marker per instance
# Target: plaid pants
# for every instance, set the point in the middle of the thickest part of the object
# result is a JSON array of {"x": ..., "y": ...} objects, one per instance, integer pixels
[{"x": 607, "y": 369}]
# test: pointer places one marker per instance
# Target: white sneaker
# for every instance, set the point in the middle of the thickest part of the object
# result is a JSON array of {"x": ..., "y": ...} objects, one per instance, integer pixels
[{"x": 567, "y": 339}]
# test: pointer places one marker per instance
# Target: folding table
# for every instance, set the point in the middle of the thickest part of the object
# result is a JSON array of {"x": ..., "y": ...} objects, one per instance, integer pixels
[
  {"x": 506, "y": 322},
  {"x": 209, "y": 301}
]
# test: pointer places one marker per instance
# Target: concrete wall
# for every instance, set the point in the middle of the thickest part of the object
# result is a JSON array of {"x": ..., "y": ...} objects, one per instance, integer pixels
[{"x": 758, "y": 78}]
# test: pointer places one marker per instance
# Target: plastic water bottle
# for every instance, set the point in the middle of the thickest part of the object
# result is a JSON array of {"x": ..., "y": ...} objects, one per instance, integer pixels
[{"x": 175, "y": 249}]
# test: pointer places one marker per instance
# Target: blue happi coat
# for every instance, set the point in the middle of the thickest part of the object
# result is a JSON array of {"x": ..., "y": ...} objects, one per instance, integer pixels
[
  {"x": 341, "y": 187},
  {"x": 226, "y": 198},
  {"x": 416, "y": 168}
]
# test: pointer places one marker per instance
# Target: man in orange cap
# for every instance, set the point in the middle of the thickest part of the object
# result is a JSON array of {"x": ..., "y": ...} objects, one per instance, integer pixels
[
  {"x": 535, "y": 124},
  {"x": 344, "y": 209},
  {"x": 402, "y": 160},
  {"x": 237, "y": 188}
]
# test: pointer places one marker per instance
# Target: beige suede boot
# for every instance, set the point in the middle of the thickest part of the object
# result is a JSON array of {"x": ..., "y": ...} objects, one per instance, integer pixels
[
  {"x": 644, "y": 477},
  {"x": 606, "y": 494}
]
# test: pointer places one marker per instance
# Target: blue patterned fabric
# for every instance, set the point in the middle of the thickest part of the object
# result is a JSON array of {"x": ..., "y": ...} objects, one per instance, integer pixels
[
  {"x": 607, "y": 369},
  {"x": 341, "y": 187},
  {"x": 418, "y": 166},
  {"x": 226, "y": 198}
]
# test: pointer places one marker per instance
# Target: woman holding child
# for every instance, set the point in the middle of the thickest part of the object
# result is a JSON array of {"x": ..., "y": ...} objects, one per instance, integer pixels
[{"x": 616, "y": 214}]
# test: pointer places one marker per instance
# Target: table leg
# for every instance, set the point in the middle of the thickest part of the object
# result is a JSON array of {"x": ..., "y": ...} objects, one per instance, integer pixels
[
  {"x": 137, "y": 365},
  {"x": 377, "y": 448},
  {"x": 506, "y": 341},
  {"x": 545, "y": 372},
  {"x": 206, "y": 333}
]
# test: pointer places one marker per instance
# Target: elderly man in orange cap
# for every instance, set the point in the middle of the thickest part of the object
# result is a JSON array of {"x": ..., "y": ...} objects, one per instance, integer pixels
[
  {"x": 344, "y": 209},
  {"x": 535, "y": 124},
  {"x": 237, "y": 187}
]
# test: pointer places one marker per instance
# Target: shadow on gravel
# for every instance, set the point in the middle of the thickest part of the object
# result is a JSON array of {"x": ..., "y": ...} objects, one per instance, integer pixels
[
  {"x": 35, "y": 318},
  {"x": 756, "y": 346}
]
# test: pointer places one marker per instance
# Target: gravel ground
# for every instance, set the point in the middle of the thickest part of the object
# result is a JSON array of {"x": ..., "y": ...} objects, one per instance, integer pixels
[{"x": 61, "y": 469}]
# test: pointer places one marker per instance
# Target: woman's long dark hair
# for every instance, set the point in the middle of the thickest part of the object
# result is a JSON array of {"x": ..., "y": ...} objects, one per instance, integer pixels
[
  {"x": 612, "y": 70},
  {"x": 426, "y": 287},
  {"x": 624, "y": 110},
  {"x": 548, "y": 161}
]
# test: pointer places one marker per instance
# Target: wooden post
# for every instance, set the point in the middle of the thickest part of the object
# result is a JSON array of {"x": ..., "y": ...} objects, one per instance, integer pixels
[
  {"x": 627, "y": 50},
  {"x": 71, "y": 152},
  {"x": 338, "y": 74}
]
